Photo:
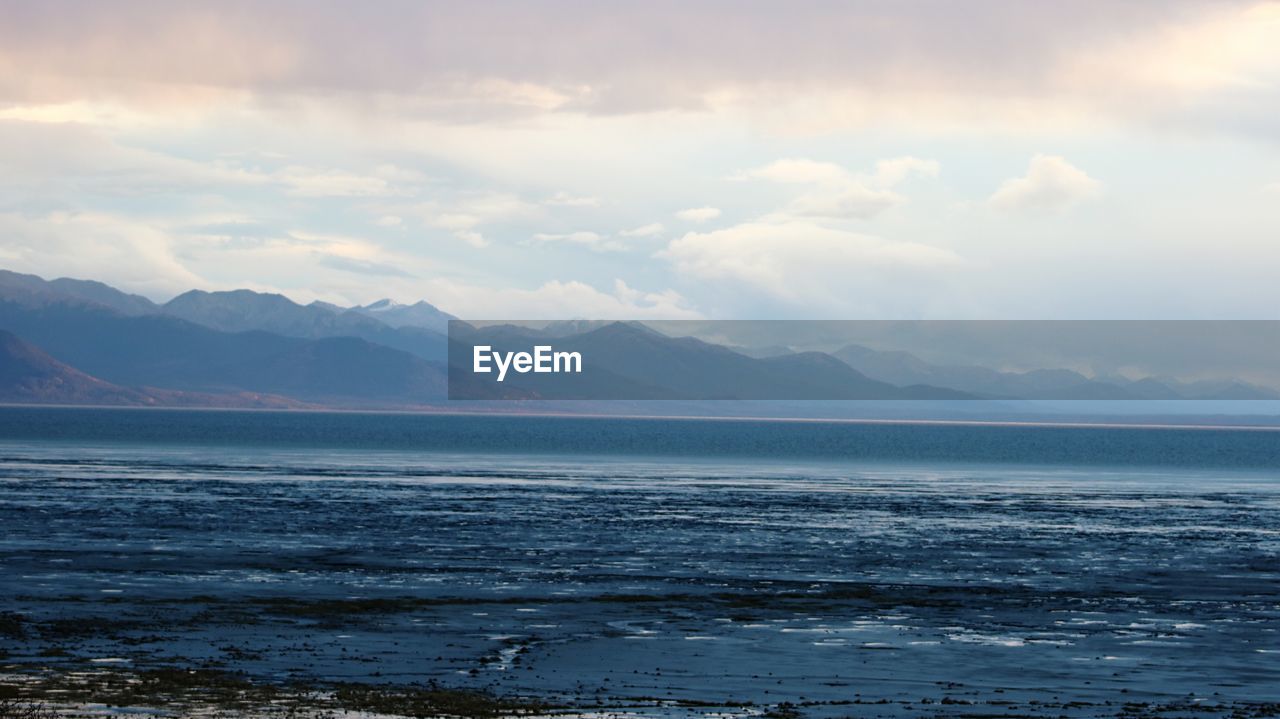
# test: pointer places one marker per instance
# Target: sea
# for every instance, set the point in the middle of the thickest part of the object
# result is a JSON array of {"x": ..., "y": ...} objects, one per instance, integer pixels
[{"x": 659, "y": 565}]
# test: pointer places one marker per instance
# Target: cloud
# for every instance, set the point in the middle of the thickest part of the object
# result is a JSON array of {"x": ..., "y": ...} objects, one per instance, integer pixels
[
  {"x": 312, "y": 265},
  {"x": 91, "y": 160},
  {"x": 564, "y": 199},
  {"x": 384, "y": 181},
  {"x": 592, "y": 240},
  {"x": 795, "y": 259},
  {"x": 465, "y": 213},
  {"x": 141, "y": 257},
  {"x": 649, "y": 230},
  {"x": 698, "y": 214},
  {"x": 472, "y": 237},
  {"x": 465, "y": 63},
  {"x": 834, "y": 192},
  {"x": 893, "y": 171},
  {"x": 559, "y": 299},
  {"x": 1051, "y": 184},
  {"x": 462, "y": 226},
  {"x": 363, "y": 267},
  {"x": 798, "y": 171},
  {"x": 306, "y": 182},
  {"x": 852, "y": 202},
  {"x": 389, "y": 221},
  {"x": 72, "y": 159}
]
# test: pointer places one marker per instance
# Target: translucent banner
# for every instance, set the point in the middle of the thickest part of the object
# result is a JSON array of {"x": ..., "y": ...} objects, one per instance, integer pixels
[{"x": 864, "y": 360}]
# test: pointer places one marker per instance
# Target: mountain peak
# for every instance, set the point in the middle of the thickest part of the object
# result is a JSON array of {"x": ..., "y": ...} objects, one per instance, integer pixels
[
  {"x": 237, "y": 295},
  {"x": 420, "y": 314},
  {"x": 32, "y": 290}
]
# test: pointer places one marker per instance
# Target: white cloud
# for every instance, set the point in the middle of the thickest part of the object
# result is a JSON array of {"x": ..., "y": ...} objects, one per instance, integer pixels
[
  {"x": 834, "y": 192},
  {"x": 301, "y": 263},
  {"x": 795, "y": 259},
  {"x": 389, "y": 221},
  {"x": 852, "y": 202},
  {"x": 138, "y": 256},
  {"x": 463, "y": 227},
  {"x": 73, "y": 160},
  {"x": 593, "y": 240},
  {"x": 649, "y": 230},
  {"x": 464, "y": 62},
  {"x": 387, "y": 180},
  {"x": 893, "y": 171},
  {"x": 145, "y": 259},
  {"x": 1051, "y": 183},
  {"x": 564, "y": 199},
  {"x": 472, "y": 237},
  {"x": 798, "y": 171},
  {"x": 464, "y": 215},
  {"x": 454, "y": 221},
  {"x": 559, "y": 299},
  {"x": 698, "y": 214},
  {"x": 803, "y": 171}
]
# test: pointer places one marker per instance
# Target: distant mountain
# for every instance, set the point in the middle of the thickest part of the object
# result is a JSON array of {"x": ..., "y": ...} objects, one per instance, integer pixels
[
  {"x": 626, "y": 361},
  {"x": 174, "y": 354},
  {"x": 596, "y": 381},
  {"x": 34, "y": 291},
  {"x": 419, "y": 314},
  {"x": 1148, "y": 388},
  {"x": 349, "y": 371},
  {"x": 86, "y": 342},
  {"x": 905, "y": 368},
  {"x": 245, "y": 310},
  {"x": 566, "y": 328},
  {"x": 764, "y": 351},
  {"x": 233, "y": 311},
  {"x": 97, "y": 292},
  {"x": 1228, "y": 389},
  {"x": 28, "y": 375}
]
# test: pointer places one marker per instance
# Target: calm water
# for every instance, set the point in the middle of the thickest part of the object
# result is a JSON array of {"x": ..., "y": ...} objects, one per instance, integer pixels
[{"x": 700, "y": 560}]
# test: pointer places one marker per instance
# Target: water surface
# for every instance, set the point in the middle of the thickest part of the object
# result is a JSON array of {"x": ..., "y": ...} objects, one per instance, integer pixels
[{"x": 708, "y": 561}]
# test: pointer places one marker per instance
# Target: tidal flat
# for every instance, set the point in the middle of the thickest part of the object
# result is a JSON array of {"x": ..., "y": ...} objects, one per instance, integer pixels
[{"x": 278, "y": 581}]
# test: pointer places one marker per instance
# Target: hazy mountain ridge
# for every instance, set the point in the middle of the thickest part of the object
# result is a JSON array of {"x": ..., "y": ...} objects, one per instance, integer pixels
[
  {"x": 162, "y": 351},
  {"x": 86, "y": 342},
  {"x": 245, "y": 311},
  {"x": 419, "y": 314},
  {"x": 168, "y": 352},
  {"x": 33, "y": 291},
  {"x": 29, "y": 375},
  {"x": 905, "y": 368},
  {"x": 631, "y": 361}
]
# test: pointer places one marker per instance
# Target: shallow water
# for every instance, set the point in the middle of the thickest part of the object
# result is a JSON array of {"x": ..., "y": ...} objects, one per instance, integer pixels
[{"x": 708, "y": 579}]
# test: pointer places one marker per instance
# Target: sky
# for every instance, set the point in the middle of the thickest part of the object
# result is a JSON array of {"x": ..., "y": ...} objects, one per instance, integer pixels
[{"x": 724, "y": 160}]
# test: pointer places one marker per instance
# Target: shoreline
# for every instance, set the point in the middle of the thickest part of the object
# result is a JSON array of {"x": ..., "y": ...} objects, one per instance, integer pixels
[
  {"x": 192, "y": 692},
  {"x": 430, "y": 411}
]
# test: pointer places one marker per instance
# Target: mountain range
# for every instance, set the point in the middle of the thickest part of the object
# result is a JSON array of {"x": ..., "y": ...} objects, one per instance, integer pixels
[
  {"x": 71, "y": 341},
  {"x": 904, "y": 368},
  {"x": 28, "y": 375},
  {"x": 224, "y": 344},
  {"x": 631, "y": 361}
]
